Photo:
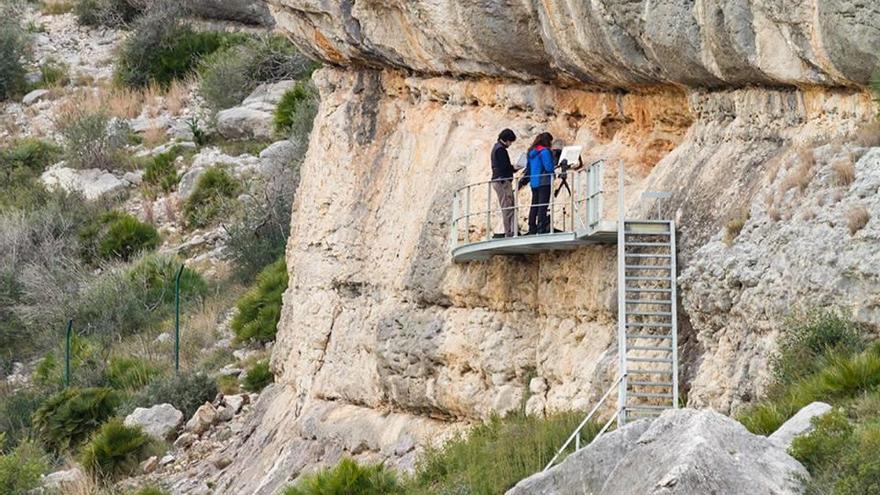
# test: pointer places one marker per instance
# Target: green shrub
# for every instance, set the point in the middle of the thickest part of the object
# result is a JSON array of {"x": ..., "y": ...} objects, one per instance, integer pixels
[
  {"x": 67, "y": 418},
  {"x": 91, "y": 140},
  {"x": 53, "y": 74},
  {"x": 260, "y": 309},
  {"x": 150, "y": 490},
  {"x": 826, "y": 443},
  {"x": 156, "y": 275},
  {"x": 493, "y": 457},
  {"x": 804, "y": 344},
  {"x": 20, "y": 470},
  {"x": 228, "y": 385},
  {"x": 258, "y": 377},
  {"x": 212, "y": 196},
  {"x": 186, "y": 392},
  {"x": 110, "y": 13},
  {"x": 861, "y": 473},
  {"x": 130, "y": 373},
  {"x": 116, "y": 450},
  {"x": 13, "y": 46},
  {"x": 164, "y": 47},
  {"x": 161, "y": 171},
  {"x": 293, "y": 105},
  {"x": 228, "y": 76},
  {"x": 349, "y": 478},
  {"x": 117, "y": 235},
  {"x": 16, "y": 409},
  {"x": 21, "y": 163}
]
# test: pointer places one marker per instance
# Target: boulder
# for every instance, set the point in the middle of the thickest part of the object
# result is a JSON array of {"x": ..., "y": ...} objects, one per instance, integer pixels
[
  {"x": 188, "y": 182},
  {"x": 61, "y": 480},
  {"x": 166, "y": 460},
  {"x": 35, "y": 96},
  {"x": 236, "y": 402},
  {"x": 91, "y": 183},
  {"x": 159, "y": 421},
  {"x": 203, "y": 419},
  {"x": 150, "y": 465},
  {"x": 133, "y": 178},
  {"x": 799, "y": 424},
  {"x": 185, "y": 440},
  {"x": 224, "y": 414},
  {"x": 244, "y": 122},
  {"x": 683, "y": 451}
]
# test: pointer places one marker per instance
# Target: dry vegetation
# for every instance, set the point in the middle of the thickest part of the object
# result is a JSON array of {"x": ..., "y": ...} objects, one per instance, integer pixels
[
  {"x": 56, "y": 7},
  {"x": 844, "y": 171},
  {"x": 857, "y": 218},
  {"x": 154, "y": 136},
  {"x": 801, "y": 175},
  {"x": 735, "y": 225}
]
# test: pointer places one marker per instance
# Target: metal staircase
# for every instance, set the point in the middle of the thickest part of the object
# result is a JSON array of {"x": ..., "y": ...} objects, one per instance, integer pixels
[
  {"x": 647, "y": 325},
  {"x": 647, "y": 336}
]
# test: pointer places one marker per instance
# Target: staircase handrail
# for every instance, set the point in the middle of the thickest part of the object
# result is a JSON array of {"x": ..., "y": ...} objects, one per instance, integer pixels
[{"x": 575, "y": 436}]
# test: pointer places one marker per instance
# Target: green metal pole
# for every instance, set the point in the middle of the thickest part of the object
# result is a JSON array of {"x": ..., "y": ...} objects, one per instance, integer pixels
[
  {"x": 67, "y": 354},
  {"x": 177, "y": 321}
]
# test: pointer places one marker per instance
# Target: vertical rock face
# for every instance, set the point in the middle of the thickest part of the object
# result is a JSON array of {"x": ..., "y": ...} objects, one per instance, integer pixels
[{"x": 384, "y": 344}]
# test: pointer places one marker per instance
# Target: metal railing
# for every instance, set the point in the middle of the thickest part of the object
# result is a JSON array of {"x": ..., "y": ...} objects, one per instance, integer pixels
[
  {"x": 575, "y": 206},
  {"x": 575, "y": 437}
]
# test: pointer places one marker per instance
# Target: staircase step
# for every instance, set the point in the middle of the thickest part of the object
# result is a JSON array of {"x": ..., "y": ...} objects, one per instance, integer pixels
[
  {"x": 649, "y": 325},
  {"x": 647, "y": 336},
  {"x": 651, "y": 395},
  {"x": 646, "y": 407},
  {"x": 648, "y": 279},
  {"x": 648, "y": 267},
  {"x": 649, "y": 348},
  {"x": 648, "y": 360},
  {"x": 665, "y": 302},
  {"x": 647, "y": 244},
  {"x": 645, "y": 255},
  {"x": 649, "y": 384},
  {"x": 648, "y": 290},
  {"x": 650, "y": 313},
  {"x": 649, "y": 372}
]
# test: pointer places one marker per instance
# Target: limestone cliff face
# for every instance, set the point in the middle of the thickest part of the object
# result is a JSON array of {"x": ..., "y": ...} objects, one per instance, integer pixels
[{"x": 385, "y": 344}]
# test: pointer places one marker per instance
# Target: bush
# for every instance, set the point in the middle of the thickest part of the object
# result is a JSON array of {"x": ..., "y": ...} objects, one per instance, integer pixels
[
  {"x": 349, "y": 478},
  {"x": 258, "y": 377},
  {"x": 110, "y": 13},
  {"x": 164, "y": 47},
  {"x": 16, "y": 409},
  {"x": 161, "y": 171},
  {"x": 212, "y": 196},
  {"x": 116, "y": 450},
  {"x": 67, "y": 418},
  {"x": 130, "y": 373},
  {"x": 117, "y": 235},
  {"x": 186, "y": 392},
  {"x": 150, "y": 490},
  {"x": 156, "y": 276},
  {"x": 53, "y": 74},
  {"x": 260, "y": 309},
  {"x": 20, "y": 470},
  {"x": 92, "y": 140},
  {"x": 13, "y": 46},
  {"x": 825, "y": 443},
  {"x": 21, "y": 163},
  {"x": 294, "y": 105},
  {"x": 494, "y": 456},
  {"x": 228, "y": 76},
  {"x": 806, "y": 343}
]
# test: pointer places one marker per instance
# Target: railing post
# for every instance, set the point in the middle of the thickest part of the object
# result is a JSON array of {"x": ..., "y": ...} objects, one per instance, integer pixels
[
  {"x": 621, "y": 298},
  {"x": 551, "y": 204},
  {"x": 177, "y": 320},
  {"x": 489, "y": 211},
  {"x": 453, "y": 227},
  {"x": 467, "y": 215},
  {"x": 515, "y": 208},
  {"x": 67, "y": 354}
]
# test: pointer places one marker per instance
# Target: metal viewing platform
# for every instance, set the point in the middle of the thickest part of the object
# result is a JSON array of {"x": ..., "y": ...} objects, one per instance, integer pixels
[{"x": 574, "y": 210}]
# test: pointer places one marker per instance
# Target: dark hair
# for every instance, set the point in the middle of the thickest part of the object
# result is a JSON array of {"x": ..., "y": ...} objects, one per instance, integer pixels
[
  {"x": 507, "y": 135},
  {"x": 544, "y": 139}
]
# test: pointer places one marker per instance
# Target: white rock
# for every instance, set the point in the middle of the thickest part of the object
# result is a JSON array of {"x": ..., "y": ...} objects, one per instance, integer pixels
[
  {"x": 166, "y": 460},
  {"x": 684, "y": 452},
  {"x": 188, "y": 182},
  {"x": 60, "y": 480},
  {"x": 243, "y": 122},
  {"x": 799, "y": 424},
  {"x": 224, "y": 414},
  {"x": 92, "y": 183},
  {"x": 150, "y": 465},
  {"x": 236, "y": 402},
  {"x": 230, "y": 370},
  {"x": 162, "y": 338},
  {"x": 158, "y": 421},
  {"x": 134, "y": 178},
  {"x": 35, "y": 96},
  {"x": 185, "y": 440}
]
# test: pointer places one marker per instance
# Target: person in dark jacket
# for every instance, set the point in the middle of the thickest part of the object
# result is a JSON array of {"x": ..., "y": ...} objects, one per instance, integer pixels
[
  {"x": 502, "y": 180},
  {"x": 540, "y": 158}
]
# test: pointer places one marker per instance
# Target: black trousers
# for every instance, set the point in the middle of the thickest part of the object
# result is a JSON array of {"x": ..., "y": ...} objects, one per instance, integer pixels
[{"x": 539, "y": 222}]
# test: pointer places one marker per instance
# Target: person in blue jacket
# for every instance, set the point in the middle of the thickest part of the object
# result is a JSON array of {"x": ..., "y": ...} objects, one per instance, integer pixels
[{"x": 540, "y": 171}]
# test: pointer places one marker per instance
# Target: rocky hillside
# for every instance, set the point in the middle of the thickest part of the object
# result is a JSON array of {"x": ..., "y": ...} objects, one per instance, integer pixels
[{"x": 756, "y": 117}]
